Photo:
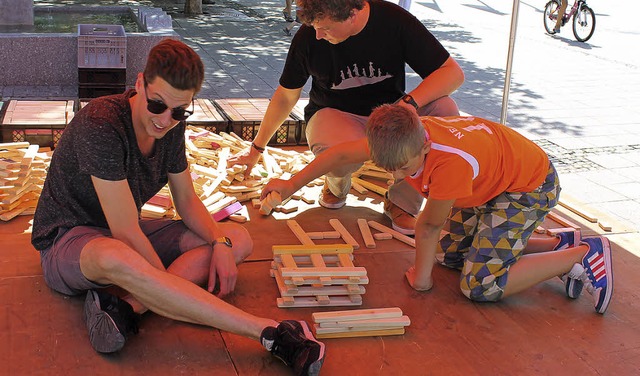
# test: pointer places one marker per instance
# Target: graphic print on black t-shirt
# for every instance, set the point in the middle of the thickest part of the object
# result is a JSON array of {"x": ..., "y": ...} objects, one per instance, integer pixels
[{"x": 356, "y": 76}]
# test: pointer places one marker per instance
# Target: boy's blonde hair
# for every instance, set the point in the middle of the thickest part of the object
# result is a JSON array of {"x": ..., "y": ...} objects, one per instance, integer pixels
[{"x": 395, "y": 134}]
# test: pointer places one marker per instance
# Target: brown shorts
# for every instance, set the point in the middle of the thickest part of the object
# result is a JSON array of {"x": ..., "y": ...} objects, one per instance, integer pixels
[{"x": 61, "y": 262}]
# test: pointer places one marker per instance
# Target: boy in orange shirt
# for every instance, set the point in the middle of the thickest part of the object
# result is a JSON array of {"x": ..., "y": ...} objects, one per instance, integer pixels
[{"x": 488, "y": 188}]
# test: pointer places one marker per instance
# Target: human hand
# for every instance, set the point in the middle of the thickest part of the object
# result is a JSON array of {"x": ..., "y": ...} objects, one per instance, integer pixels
[
  {"x": 223, "y": 267},
  {"x": 417, "y": 282},
  {"x": 283, "y": 187},
  {"x": 247, "y": 158}
]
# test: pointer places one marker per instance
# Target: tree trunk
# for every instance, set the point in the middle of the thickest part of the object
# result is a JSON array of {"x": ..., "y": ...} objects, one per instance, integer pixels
[{"x": 193, "y": 7}]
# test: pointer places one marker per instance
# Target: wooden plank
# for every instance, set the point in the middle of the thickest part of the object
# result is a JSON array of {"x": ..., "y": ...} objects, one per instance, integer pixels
[
  {"x": 355, "y": 271},
  {"x": 382, "y": 236},
  {"x": 299, "y": 232},
  {"x": 366, "y": 333},
  {"x": 403, "y": 238},
  {"x": 309, "y": 249},
  {"x": 307, "y": 301},
  {"x": 561, "y": 220},
  {"x": 366, "y": 233},
  {"x": 370, "y": 186},
  {"x": 369, "y": 323},
  {"x": 573, "y": 207},
  {"x": 346, "y": 236},
  {"x": 357, "y": 314}
]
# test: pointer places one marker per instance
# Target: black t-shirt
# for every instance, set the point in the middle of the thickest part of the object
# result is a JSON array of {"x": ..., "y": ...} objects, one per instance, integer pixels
[
  {"x": 100, "y": 141},
  {"x": 367, "y": 69}
]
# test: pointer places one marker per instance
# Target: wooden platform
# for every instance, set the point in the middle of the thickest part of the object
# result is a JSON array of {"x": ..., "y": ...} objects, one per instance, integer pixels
[{"x": 539, "y": 332}]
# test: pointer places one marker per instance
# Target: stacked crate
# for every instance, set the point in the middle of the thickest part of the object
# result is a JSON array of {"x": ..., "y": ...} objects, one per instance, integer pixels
[
  {"x": 36, "y": 122},
  {"x": 206, "y": 115},
  {"x": 102, "y": 60},
  {"x": 247, "y": 114}
]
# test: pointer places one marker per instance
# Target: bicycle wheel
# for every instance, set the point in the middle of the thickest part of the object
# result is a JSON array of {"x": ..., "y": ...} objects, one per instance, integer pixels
[
  {"x": 584, "y": 23},
  {"x": 550, "y": 16}
]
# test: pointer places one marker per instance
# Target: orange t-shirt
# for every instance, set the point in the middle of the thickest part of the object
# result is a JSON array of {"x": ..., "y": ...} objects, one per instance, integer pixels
[{"x": 473, "y": 160}]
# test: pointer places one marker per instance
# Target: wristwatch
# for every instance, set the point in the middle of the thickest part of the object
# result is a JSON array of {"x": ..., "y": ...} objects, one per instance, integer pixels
[
  {"x": 222, "y": 240},
  {"x": 409, "y": 99}
]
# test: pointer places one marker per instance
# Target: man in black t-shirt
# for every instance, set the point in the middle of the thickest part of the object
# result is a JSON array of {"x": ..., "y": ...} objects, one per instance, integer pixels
[
  {"x": 355, "y": 52},
  {"x": 116, "y": 154}
]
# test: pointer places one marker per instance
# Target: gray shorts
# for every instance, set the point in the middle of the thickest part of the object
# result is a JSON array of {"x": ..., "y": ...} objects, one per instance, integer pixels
[{"x": 61, "y": 262}]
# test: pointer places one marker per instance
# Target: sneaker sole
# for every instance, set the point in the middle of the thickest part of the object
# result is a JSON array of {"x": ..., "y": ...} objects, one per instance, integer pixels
[
  {"x": 606, "y": 250},
  {"x": 103, "y": 332},
  {"x": 331, "y": 206},
  {"x": 402, "y": 230},
  {"x": 314, "y": 368},
  {"x": 572, "y": 289}
]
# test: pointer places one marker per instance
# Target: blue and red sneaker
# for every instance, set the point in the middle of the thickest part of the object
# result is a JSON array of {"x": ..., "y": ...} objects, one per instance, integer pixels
[
  {"x": 598, "y": 272},
  {"x": 572, "y": 283}
]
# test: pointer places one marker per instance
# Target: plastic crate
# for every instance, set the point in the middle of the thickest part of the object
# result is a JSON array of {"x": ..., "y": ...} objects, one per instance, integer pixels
[
  {"x": 245, "y": 116},
  {"x": 95, "y": 76},
  {"x": 36, "y": 122},
  {"x": 95, "y": 91},
  {"x": 206, "y": 115},
  {"x": 102, "y": 46}
]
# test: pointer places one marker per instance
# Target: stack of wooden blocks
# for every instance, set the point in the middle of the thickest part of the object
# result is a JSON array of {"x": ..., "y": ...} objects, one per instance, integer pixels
[
  {"x": 22, "y": 174},
  {"x": 317, "y": 275},
  {"x": 222, "y": 188},
  {"x": 360, "y": 323}
]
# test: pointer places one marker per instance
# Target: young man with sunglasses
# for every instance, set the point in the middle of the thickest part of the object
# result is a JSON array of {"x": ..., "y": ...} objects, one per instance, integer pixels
[
  {"x": 355, "y": 52},
  {"x": 116, "y": 154}
]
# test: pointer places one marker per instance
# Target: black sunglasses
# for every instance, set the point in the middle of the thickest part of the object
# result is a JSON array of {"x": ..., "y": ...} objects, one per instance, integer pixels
[{"x": 158, "y": 107}]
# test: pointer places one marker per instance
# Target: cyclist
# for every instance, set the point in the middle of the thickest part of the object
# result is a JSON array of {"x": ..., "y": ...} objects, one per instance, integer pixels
[{"x": 561, "y": 10}]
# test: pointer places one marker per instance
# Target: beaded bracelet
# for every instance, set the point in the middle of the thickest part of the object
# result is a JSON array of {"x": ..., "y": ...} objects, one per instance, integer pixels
[{"x": 258, "y": 148}]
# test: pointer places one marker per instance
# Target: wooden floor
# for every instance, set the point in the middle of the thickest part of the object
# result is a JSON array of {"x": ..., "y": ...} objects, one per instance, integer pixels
[{"x": 539, "y": 332}]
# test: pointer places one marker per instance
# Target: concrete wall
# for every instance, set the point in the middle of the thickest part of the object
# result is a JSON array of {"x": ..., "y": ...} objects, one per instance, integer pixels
[
  {"x": 52, "y": 59},
  {"x": 16, "y": 12}
]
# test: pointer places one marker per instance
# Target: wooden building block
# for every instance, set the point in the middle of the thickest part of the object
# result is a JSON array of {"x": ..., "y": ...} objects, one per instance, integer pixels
[
  {"x": 382, "y": 236},
  {"x": 366, "y": 233},
  {"x": 226, "y": 211},
  {"x": 330, "y": 235},
  {"x": 309, "y": 301},
  {"x": 238, "y": 218},
  {"x": 315, "y": 235},
  {"x": 346, "y": 236},
  {"x": 357, "y": 314},
  {"x": 579, "y": 210},
  {"x": 299, "y": 232},
  {"x": 369, "y": 324},
  {"x": 561, "y": 220},
  {"x": 403, "y": 238},
  {"x": 382, "y": 191},
  {"x": 309, "y": 249},
  {"x": 366, "y": 333}
]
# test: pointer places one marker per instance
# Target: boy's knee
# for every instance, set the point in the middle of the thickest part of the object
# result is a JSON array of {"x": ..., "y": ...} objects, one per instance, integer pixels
[{"x": 486, "y": 289}]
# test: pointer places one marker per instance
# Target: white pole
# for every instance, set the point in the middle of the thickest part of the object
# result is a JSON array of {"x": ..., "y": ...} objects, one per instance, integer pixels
[{"x": 507, "y": 80}]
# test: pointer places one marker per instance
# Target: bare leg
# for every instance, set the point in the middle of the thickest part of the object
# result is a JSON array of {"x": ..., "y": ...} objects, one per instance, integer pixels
[
  {"x": 532, "y": 269},
  {"x": 110, "y": 261},
  {"x": 561, "y": 10},
  {"x": 541, "y": 244},
  {"x": 193, "y": 265}
]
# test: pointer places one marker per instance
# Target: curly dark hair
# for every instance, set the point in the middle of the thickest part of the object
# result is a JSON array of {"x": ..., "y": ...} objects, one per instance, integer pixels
[
  {"x": 335, "y": 10},
  {"x": 176, "y": 63}
]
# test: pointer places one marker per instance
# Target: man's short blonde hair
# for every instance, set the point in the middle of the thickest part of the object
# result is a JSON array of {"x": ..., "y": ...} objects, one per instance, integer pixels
[{"x": 395, "y": 134}]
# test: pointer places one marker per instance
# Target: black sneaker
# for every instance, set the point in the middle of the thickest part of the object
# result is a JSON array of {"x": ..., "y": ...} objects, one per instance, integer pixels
[
  {"x": 109, "y": 320},
  {"x": 294, "y": 344}
]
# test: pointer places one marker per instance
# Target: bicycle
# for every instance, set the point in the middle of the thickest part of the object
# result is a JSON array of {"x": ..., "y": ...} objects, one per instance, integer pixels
[{"x": 584, "y": 19}]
